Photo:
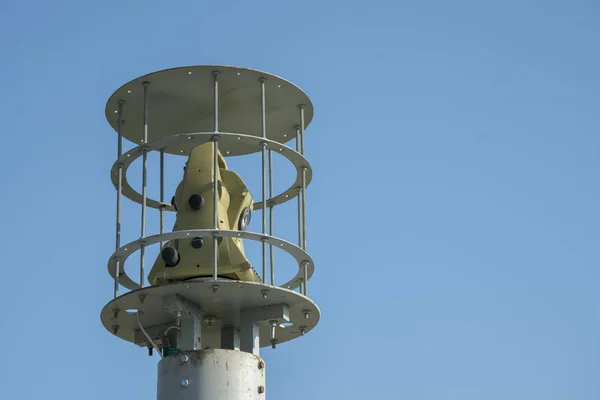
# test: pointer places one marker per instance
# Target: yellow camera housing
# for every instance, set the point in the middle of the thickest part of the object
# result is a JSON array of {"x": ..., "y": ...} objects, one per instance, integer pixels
[{"x": 184, "y": 259}]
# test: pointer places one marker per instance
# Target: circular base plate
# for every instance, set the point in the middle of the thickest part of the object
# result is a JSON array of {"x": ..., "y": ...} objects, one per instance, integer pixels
[
  {"x": 225, "y": 305},
  {"x": 181, "y": 100}
]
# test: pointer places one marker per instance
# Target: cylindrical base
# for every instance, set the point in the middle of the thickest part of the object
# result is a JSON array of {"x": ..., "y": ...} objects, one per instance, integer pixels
[{"x": 214, "y": 374}]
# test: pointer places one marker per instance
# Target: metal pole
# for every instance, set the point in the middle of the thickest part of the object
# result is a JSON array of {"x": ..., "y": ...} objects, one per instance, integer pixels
[
  {"x": 119, "y": 190},
  {"x": 303, "y": 200},
  {"x": 162, "y": 193},
  {"x": 299, "y": 150},
  {"x": 271, "y": 259},
  {"x": 303, "y": 180},
  {"x": 305, "y": 269},
  {"x": 304, "y": 208},
  {"x": 215, "y": 140},
  {"x": 144, "y": 172},
  {"x": 264, "y": 176},
  {"x": 305, "y": 276},
  {"x": 301, "y": 129},
  {"x": 300, "y": 220},
  {"x": 199, "y": 375}
]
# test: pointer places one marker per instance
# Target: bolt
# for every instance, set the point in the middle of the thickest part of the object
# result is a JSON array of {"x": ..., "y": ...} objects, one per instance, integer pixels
[
  {"x": 306, "y": 314},
  {"x": 274, "y": 343},
  {"x": 273, "y": 327},
  {"x": 115, "y": 329},
  {"x": 150, "y": 350},
  {"x": 142, "y": 298},
  {"x": 302, "y": 330},
  {"x": 265, "y": 293},
  {"x": 261, "y": 364},
  {"x": 261, "y": 389},
  {"x": 115, "y": 312},
  {"x": 215, "y": 288},
  {"x": 178, "y": 318},
  {"x": 185, "y": 382},
  {"x": 184, "y": 358}
]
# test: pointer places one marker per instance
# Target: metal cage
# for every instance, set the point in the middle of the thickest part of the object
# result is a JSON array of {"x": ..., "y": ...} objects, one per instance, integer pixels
[{"x": 241, "y": 111}]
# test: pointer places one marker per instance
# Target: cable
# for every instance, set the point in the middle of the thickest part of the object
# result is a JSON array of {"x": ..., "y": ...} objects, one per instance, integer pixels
[
  {"x": 137, "y": 314},
  {"x": 172, "y": 327}
]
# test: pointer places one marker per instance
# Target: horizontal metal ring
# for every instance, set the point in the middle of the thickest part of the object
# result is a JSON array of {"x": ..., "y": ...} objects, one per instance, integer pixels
[
  {"x": 124, "y": 252},
  {"x": 186, "y": 142}
]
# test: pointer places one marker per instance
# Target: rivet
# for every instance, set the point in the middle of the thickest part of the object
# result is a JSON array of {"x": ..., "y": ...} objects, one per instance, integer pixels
[
  {"x": 261, "y": 389},
  {"x": 261, "y": 364}
]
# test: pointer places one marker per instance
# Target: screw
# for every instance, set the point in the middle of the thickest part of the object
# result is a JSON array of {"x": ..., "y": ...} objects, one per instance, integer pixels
[
  {"x": 184, "y": 358},
  {"x": 142, "y": 298},
  {"x": 261, "y": 389},
  {"x": 265, "y": 293},
  {"x": 261, "y": 364},
  {"x": 185, "y": 382},
  {"x": 273, "y": 328}
]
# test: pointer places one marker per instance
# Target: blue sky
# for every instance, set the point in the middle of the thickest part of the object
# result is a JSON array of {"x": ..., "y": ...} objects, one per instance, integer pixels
[{"x": 453, "y": 215}]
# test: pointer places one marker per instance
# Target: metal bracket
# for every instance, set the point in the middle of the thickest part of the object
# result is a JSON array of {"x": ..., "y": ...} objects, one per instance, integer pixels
[
  {"x": 189, "y": 337},
  {"x": 250, "y": 319}
]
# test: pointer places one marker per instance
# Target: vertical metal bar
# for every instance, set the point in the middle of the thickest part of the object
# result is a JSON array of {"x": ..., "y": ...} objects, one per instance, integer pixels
[
  {"x": 119, "y": 190},
  {"x": 300, "y": 230},
  {"x": 271, "y": 259},
  {"x": 305, "y": 276},
  {"x": 299, "y": 150},
  {"x": 162, "y": 192},
  {"x": 303, "y": 181},
  {"x": 216, "y": 99},
  {"x": 305, "y": 268},
  {"x": 303, "y": 201},
  {"x": 215, "y": 140},
  {"x": 301, "y": 129},
  {"x": 263, "y": 121},
  {"x": 144, "y": 175},
  {"x": 303, "y": 197}
]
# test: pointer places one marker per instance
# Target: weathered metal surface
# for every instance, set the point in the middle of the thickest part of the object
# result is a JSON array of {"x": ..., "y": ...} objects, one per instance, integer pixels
[{"x": 214, "y": 374}]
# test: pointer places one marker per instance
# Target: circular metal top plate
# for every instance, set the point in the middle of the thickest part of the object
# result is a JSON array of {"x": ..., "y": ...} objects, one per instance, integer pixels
[
  {"x": 181, "y": 100},
  {"x": 226, "y": 305}
]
